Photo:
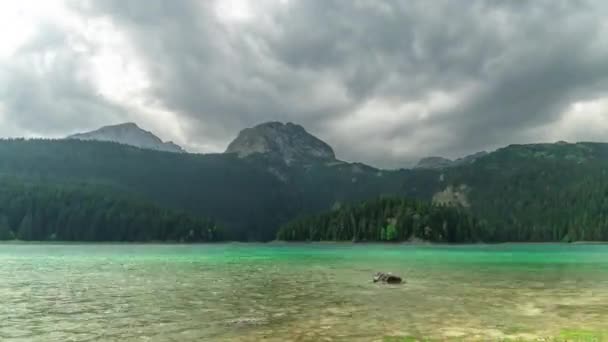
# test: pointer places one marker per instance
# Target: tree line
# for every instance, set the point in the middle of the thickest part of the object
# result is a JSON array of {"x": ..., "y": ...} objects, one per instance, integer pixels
[
  {"x": 59, "y": 212},
  {"x": 386, "y": 219}
]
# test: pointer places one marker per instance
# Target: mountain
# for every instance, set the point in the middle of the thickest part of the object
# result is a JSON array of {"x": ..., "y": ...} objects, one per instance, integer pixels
[
  {"x": 288, "y": 142},
  {"x": 246, "y": 196},
  {"x": 433, "y": 163},
  {"x": 129, "y": 134},
  {"x": 525, "y": 193},
  {"x": 436, "y": 163},
  {"x": 470, "y": 158},
  {"x": 537, "y": 192}
]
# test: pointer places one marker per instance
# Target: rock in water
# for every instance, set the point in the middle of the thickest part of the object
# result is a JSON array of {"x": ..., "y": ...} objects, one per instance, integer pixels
[{"x": 387, "y": 278}]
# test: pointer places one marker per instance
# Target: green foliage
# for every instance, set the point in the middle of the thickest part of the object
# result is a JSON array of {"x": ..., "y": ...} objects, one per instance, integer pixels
[
  {"x": 565, "y": 336},
  {"x": 385, "y": 219},
  {"x": 403, "y": 339},
  {"x": 41, "y": 212},
  {"x": 391, "y": 232},
  {"x": 576, "y": 335}
]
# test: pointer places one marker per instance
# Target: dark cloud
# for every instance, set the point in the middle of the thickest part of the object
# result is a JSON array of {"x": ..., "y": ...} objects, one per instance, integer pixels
[
  {"x": 44, "y": 90},
  {"x": 385, "y": 82}
]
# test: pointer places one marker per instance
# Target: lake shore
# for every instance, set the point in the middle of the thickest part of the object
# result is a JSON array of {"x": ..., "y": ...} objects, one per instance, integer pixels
[{"x": 287, "y": 243}]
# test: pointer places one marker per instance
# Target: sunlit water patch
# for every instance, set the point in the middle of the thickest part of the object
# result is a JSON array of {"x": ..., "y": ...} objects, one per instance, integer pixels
[{"x": 240, "y": 292}]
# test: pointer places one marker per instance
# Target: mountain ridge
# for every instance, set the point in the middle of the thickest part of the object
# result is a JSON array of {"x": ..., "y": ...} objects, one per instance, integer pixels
[
  {"x": 529, "y": 192},
  {"x": 436, "y": 162},
  {"x": 129, "y": 133}
]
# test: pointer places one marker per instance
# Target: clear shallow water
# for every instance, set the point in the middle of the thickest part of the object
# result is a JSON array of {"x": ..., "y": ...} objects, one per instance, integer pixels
[{"x": 241, "y": 292}]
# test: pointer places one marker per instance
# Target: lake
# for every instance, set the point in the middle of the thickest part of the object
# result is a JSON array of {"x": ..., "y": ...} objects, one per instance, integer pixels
[{"x": 316, "y": 292}]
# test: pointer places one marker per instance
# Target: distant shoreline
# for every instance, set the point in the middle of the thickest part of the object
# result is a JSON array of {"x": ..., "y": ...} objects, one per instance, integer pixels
[
  {"x": 287, "y": 243},
  {"x": 428, "y": 243}
]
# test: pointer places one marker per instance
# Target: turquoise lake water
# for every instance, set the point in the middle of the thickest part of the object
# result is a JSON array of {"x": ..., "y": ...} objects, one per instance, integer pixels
[{"x": 316, "y": 292}]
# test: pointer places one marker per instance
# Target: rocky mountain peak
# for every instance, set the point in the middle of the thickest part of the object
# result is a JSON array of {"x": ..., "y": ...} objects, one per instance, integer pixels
[
  {"x": 129, "y": 133},
  {"x": 288, "y": 141}
]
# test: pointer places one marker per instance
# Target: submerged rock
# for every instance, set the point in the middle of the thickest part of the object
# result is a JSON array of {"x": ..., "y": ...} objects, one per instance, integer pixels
[{"x": 387, "y": 278}]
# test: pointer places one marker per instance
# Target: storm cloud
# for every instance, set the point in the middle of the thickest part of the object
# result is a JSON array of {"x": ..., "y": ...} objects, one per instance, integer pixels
[{"x": 384, "y": 82}]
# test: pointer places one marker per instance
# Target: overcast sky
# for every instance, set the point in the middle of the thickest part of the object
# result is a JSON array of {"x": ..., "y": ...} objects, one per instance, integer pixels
[{"x": 384, "y": 82}]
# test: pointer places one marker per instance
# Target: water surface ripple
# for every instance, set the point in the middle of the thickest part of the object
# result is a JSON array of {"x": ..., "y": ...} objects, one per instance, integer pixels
[{"x": 251, "y": 292}]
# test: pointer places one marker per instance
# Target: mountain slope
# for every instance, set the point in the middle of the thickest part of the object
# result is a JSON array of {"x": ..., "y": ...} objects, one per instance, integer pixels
[
  {"x": 243, "y": 194},
  {"x": 129, "y": 134},
  {"x": 438, "y": 163},
  {"x": 433, "y": 163},
  {"x": 34, "y": 211},
  {"x": 235, "y": 192},
  {"x": 538, "y": 192},
  {"x": 521, "y": 193},
  {"x": 385, "y": 219},
  {"x": 543, "y": 192},
  {"x": 288, "y": 142}
]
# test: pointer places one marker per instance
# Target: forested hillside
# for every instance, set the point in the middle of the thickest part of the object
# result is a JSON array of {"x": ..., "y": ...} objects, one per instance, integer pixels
[
  {"x": 541, "y": 192},
  {"x": 250, "y": 197},
  {"x": 386, "y": 219},
  {"x": 43, "y": 212},
  {"x": 241, "y": 196},
  {"x": 544, "y": 192}
]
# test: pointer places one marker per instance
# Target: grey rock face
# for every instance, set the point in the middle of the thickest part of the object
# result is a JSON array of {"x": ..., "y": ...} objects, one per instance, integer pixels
[
  {"x": 289, "y": 142},
  {"x": 129, "y": 134}
]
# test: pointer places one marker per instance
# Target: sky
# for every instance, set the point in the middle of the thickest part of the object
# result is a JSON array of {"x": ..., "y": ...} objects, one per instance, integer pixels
[{"x": 383, "y": 82}]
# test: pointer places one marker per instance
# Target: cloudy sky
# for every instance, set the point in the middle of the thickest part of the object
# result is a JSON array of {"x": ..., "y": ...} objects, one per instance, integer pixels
[{"x": 384, "y": 82}]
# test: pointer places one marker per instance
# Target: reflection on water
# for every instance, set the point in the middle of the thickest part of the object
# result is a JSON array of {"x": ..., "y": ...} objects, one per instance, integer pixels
[{"x": 298, "y": 292}]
